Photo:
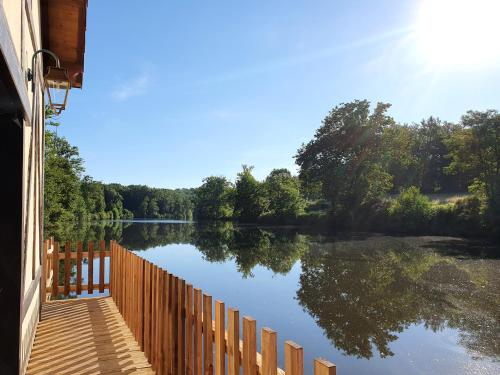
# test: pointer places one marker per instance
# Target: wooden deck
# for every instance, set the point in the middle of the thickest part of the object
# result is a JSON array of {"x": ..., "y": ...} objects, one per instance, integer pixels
[{"x": 85, "y": 336}]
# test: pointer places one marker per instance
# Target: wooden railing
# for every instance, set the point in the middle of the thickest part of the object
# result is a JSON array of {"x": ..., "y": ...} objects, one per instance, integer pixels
[
  {"x": 170, "y": 319},
  {"x": 172, "y": 322},
  {"x": 58, "y": 264}
]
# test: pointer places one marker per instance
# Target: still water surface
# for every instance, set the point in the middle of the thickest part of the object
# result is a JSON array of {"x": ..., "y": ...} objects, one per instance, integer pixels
[{"x": 371, "y": 304}]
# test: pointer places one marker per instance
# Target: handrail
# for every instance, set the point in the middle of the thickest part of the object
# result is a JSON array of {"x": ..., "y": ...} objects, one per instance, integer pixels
[{"x": 172, "y": 322}]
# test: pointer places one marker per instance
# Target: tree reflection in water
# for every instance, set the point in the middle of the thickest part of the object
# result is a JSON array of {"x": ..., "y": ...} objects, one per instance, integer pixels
[{"x": 361, "y": 292}]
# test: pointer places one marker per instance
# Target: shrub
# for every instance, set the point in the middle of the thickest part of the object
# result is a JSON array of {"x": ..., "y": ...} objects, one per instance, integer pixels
[{"x": 411, "y": 211}]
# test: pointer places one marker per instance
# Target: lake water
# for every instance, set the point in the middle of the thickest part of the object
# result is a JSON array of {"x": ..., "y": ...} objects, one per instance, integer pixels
[{"x": 371, "y": 304}]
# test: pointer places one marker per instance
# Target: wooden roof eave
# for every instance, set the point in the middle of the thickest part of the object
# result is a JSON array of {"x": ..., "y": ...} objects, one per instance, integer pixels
[{"x": 63, "y": 32}]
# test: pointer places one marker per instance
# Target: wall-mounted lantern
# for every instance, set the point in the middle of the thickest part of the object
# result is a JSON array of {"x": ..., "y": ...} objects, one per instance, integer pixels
[{"x": 56, "y": 82}]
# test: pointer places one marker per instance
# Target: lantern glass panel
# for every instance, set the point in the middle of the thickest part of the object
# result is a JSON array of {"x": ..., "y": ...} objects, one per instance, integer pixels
[{"x": 57, "y": 85}]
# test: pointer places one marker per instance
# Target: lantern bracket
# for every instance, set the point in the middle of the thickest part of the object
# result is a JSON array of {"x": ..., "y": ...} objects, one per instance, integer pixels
[{"x": 32, "y": 71}]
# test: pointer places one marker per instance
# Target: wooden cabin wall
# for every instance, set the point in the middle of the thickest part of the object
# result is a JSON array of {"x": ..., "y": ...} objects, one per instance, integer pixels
[{"x": 20, "y": 36}]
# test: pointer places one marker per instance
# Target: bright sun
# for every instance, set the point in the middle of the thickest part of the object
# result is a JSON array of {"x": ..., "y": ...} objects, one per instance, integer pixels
[{"x": 463, "y": 33}]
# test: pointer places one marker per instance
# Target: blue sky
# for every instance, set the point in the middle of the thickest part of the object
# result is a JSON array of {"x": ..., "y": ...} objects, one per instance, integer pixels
[{"x": 175, "y": 91}]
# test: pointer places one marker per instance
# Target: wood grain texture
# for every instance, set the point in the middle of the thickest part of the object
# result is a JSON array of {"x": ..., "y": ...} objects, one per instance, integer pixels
[
  {"x": 85, "y": 336},
  {"x": 269, "y": 352},
  {"x": 294, "y": 359},
  {"x": 55, "y": 270},
  {"x": 79, "y": 259},
  {"x": 233, "y": 342},
  {"x": 324, "y": 367},
  {"x": 189, "y": 330},
  {"x": 198, "y": 332},
  {"x": 67, "y": 267},
  {"x": 220, "y": 333},
  {"x": 181, "y": 326},
  {"x": 249, "y": 346},
  {"x": 90, "y": 267},
  {"x": 208, "y": 364},
  {"x": 102, "y": 255}
]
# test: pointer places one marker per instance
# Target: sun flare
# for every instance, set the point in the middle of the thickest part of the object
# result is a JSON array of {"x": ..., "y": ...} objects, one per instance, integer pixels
[{"x": 458, "y": 32}]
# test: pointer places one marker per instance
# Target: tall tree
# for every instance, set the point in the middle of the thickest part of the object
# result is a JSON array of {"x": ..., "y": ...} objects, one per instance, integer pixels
[
  {"x": 215, "y": 199},
  {"x": 345, "y": 155},
  {"x": 476, "y": 150},
  {"x": 283, "y": 192},
  {"x": 63, "y": 167},
  {"x": 250, "y": 199}
]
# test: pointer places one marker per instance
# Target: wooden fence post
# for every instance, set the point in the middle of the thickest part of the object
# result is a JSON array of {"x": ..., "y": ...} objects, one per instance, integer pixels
[
  {"x": 269, "y": 352},
  {"x": 102, "y": 256},
  {"x": 198, "y": 332},
  {"x": 294, "y": 359},
  {"x": 220, "y": 332},
  {"x": 55, "y": 270},
  {"x": 181, "y": 325},
  {"x": 67, "y": 267},
  {"x": 189, "y": 330},
  {"x": 207, "y": 335},
  {"x": 90, "y": 259},
  {"x": 233, "y": 342},
  {"x": 43, "y": 282},
  {"x": 323, "y": 367},
  {"x": 79, "y": 250},
  {"x": 249, "y": 346}
]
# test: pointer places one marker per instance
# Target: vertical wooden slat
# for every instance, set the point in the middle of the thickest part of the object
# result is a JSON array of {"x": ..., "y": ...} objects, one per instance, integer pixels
[
  {"x": 147, "y": 310},
  {"x": 323, "y": 367},
  {"x": 294, "y": 359},
  {"x": 172, "y": 324},
  {"x": 141, "y": 303},
  {"x": 111, "y": 273},
  {"x": 43, "y": 285},
  {"x": 159, "y": 323},
  {"x": 67, "y": 267},
  {"x": 119, "y": 282},
  {"x": 133, "y": 297},
  {"x": 233, "y": 342},
  {"x": 249, "y": 346},
  {"x": 154, "y": 287},
  {"x": 55, "y": 270},
  {"x": 181, "y": 325},
  {"x": 137, "y": 297},
  {"x": 198, "y": 335},
  {"x": 269, "y": 352},
  {"x": 175, "y": 326},
  {"x": 207, "y": 335},
  {"x": 102, "y": 256},
  {"x": 189, "y": 330},
  {"x": 220, "y": 347},
  {"x": 79, "y": 250},
  {"x": 90, "y": 259},
  {"x": 165, "y": 365}
]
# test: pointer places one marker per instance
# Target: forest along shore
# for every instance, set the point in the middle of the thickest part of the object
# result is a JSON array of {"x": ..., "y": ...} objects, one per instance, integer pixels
[{"x": 362, "y": 170}]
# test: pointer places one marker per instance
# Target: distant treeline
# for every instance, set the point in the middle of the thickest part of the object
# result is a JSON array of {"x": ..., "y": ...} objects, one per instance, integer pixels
[
  {"x": 69, "y": 196},
  {"x": 361, "y": 171}
]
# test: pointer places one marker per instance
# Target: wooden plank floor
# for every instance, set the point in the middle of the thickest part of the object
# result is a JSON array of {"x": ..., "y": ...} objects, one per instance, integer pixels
[{"x": 85, "y": 336}]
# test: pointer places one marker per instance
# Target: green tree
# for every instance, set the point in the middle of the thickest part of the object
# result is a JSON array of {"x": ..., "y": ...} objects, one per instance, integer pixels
[
  {"x": 250, "y": 199},
  {"x": 93, "y": 195},
  {"x": 345, "y": 155},
  {"x": 63, "y": 167},
  {"x": 476, "y": 150},
  {"x": 214, "y": 199},
  {"x": 283, "y": 192}
]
